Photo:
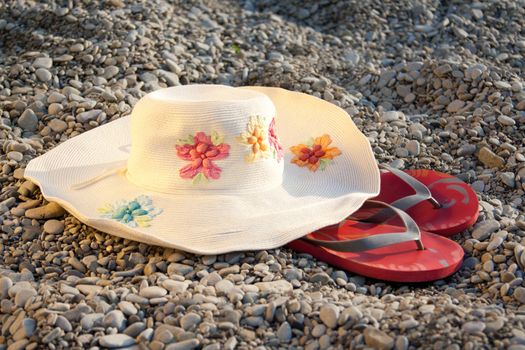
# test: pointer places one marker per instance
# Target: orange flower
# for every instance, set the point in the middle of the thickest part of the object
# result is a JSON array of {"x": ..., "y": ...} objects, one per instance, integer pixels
[
  {"x": 316, "y": 154},
  {"x": 256, "y": 140}
]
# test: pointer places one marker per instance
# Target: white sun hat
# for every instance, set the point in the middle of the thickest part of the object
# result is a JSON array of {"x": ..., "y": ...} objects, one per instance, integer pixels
[{"x": 212, "y": 169}]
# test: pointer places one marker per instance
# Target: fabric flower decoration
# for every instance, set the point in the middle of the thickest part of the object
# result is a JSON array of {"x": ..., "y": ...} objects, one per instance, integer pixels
[
  {"x": 137, "y": 212},
  {"x": 315, "y": 154},
  {"x": 278, "y": 152},
  {"x": 202, "y": 150},
  {"x": 256, "y": 138}
]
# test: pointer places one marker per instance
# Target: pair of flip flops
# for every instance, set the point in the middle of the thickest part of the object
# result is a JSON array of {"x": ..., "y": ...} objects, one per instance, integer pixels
[{"x": 401, "y": 235}]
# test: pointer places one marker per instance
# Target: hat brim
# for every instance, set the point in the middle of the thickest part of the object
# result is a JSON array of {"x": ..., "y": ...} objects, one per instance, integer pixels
[{"x": 212, "y": 223}]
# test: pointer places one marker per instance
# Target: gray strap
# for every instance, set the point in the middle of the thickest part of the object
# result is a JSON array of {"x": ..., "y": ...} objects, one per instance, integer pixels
[
  {"x": 422, "y": 191},
  {"x": 411, "y": 233}
]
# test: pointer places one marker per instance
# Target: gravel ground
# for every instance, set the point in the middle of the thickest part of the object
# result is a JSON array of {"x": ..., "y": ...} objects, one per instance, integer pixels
[{"x": 433, "y": 84}]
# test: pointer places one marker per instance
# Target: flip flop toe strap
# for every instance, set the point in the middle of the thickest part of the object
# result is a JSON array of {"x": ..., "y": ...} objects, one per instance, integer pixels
[
  {"x": 411, "y": 233},
  {"x": 422, "y": 193}
]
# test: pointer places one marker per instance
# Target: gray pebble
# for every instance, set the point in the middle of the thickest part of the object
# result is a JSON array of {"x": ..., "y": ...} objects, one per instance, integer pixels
[
  {"x": 28, "y": 120},
  {"x": 190, "y": 320},
  {"x": 116, "y": 341},
  {"x": 473, "y": 327},
  {"x": 63, "y": 323},
  {"x": 88, "y": 115},
  {"x": 483, "y": 230},
  {"x": 115, "y": 319},
  {"x": 519, "y": 294},
  {"x": 188, "y": 344},
  {"x": 43, "y": 75},
  {"x": 42, "y": 62},
  {"x": 329, "y": 314},
  {"x": 284, "y": 333}
]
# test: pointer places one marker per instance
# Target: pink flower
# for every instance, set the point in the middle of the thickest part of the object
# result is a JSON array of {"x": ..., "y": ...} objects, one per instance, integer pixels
[
  {"x": 274, "y": 141},
  {"x": 202, "y": 150}
]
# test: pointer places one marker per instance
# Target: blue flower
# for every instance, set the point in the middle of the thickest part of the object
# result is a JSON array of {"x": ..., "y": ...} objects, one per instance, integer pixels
[{"x": 137, "y": 212}]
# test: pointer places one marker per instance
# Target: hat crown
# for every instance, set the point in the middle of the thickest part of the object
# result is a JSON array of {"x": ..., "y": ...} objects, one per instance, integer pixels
[{"x": 204, "y": 137}]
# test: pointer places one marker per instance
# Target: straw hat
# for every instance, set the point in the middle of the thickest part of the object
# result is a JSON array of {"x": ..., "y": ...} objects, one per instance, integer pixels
[{"x": 211, "y": 169}]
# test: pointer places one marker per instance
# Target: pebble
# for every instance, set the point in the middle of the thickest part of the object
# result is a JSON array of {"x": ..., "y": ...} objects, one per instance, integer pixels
[
  {"x": 473, "y": 327},
  {"x": 28, "y": 120},
  {"x": 18, "y": 345},
  {"x": 508, "y": 179},
  {"x": 179, "y": 269},
  {"x": 466, "y": 150},
  {"x": 23, "y": 296},
  {"x": 413, "y": 147},
  {"x": 275, "y": 287},
  {"x": 519, "y": 294},
  {"x": 153, "y": 292},
  {"x": 401, "y": 343},
  {"x": 115, "y": 319},
  {"x": 127, "y": 308},
  {"x": 455, "y": 106},
  {"x": 284, "y": 333},
  {"x": 378, "y": 339},
  {"x": 391, "y": 116},
  {"x": 188, "y": 344},
  {"x": 5, "y": 284},
  {"x": 506, "y": 120},
  {"x": 48, "y": 211},
  {"x": 408, "y": 324},
  {"x": 43, "y": 62},
  {"x": 490, "y": 159},
  {"x": 53, "y": 227},
  {"x": 51, "y": 336},
  {"x": 320, "y": 277},
  {"x": 483, "y": 230},
  {"x": 502, "y": 85},
  {"x": 57, "y": 125},
  {"x": 113, "y": 341},
  {"x": 495, "y": 325},
  {"x": 88, "y": 115},
  {"x": 63, "y": 323},
  {"x": 494, "y": 243},
  {"x": 223, "y": 287},
  {"x": 329, "y": 314},
  {"x": 90, "y": 320},
  {"x": 43, "y": 75},
  {"x": 190, "y": 320},
  {"x": 16, "y": 156}
]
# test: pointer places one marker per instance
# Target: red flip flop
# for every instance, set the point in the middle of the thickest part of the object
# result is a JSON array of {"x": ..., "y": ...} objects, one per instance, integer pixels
[
  {"x": 438, "y": 202},
  {"x": 398, "y": 253}
]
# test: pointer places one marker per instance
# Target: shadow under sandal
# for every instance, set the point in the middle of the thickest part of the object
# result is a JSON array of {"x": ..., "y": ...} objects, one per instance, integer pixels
[
  {"x": 438, "y": 202},
  {"x": 398, "y": 252}
]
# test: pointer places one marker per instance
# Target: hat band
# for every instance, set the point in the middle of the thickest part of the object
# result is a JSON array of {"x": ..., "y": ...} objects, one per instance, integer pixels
[
  {"x": 123, "y": 171},
  {"x": 97, "y": 178}
]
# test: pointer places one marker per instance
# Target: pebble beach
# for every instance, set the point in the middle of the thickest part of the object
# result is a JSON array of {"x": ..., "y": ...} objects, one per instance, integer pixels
[{"x": 432, "y": 84}]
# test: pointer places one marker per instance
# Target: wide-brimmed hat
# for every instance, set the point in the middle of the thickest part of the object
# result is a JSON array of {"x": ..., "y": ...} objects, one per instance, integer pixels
[{"x": 211, "y": 169}]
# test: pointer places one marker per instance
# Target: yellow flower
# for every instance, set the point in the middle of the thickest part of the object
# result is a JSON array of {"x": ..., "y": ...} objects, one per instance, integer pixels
[
  {"x": 256, "y": 138},
  {"x": 315, "y": 155}
]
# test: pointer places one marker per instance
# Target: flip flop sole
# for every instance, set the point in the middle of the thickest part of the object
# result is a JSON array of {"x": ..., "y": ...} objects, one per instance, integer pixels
[
  {"x": 460, "y": 206},
  {"x": 397, "y": 263}
]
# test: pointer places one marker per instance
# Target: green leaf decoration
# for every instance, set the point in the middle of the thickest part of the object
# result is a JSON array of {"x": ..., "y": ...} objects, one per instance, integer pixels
[
  {"x": 216, "y": 139},
  {"x": 310, "y": 142},
  {"x": 236, "y": 48},
  {"x": 199, "y": 178},
  {"x": 323, "y": 162},
  {"x": 189, "y": 140}
]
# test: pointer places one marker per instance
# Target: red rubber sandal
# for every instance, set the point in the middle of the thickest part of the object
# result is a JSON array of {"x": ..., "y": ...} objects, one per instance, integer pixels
[
  {"x": 438, "y": 202},
  {"x": 398, "y": 253}
]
